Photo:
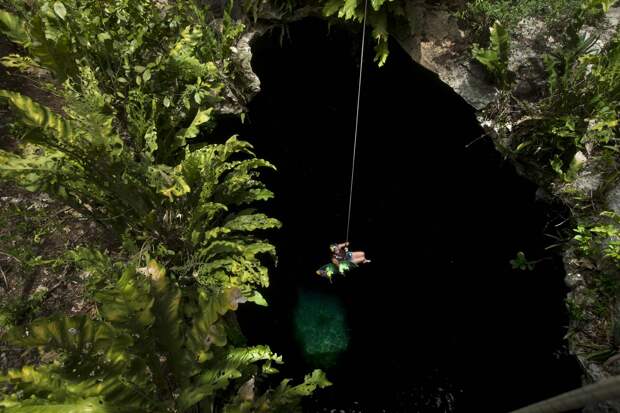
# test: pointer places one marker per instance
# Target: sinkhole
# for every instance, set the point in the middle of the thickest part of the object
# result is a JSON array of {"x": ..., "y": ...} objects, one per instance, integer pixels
[{"x": 439, "y": 321}]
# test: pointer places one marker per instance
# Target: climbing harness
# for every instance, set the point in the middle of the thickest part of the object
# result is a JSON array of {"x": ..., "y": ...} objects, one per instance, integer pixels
[{"x": 357, "y": 117}]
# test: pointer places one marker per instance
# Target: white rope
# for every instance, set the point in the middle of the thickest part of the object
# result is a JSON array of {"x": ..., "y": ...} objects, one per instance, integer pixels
[{"x": 357, "y": 117}]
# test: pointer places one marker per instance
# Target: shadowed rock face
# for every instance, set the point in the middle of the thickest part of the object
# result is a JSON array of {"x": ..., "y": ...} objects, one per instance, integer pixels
[
  {"x": 432, "y": 38},
  {"x": 244, "y": 82}
]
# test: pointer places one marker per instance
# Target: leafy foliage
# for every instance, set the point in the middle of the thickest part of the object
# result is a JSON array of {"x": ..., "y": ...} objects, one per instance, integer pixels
[
  {"x": 482, "y": 14},
  {"x": 379, "y": 14},
  {"x": 601, "y": 239},
  {"x": 583, "y": 104},
  {"x": 598, "y": 249},
  {"x": 137, "y": 50},
  {"x": 495, "y": 57},
  {"x": 522, "y": 263},
  {"x": 577, "y": 117},
  {"x": 149, "y": 351},
  {"x": 562, "y": 136},
  {"x": 141, "y": 84},
  {"x": 120, "y": 152},
  {"x": 16, "y": 309}
]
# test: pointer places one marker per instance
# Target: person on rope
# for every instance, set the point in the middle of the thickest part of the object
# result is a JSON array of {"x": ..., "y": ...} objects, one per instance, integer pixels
[
  {"x": 342, "y": 260},
  {"x": 340, "y": 252}
]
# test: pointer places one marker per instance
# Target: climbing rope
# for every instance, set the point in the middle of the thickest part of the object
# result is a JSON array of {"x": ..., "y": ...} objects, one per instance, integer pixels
[{"x": 357, "y": 118}]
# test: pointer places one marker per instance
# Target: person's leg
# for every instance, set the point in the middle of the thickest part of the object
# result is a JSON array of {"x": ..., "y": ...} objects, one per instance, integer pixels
[
  {"x": 357, "y": 257},
  {"x": 361, "y": 257}
]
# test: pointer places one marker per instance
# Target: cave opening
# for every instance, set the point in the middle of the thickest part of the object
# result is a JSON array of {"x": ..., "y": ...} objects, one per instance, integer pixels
[{"x": 439, "y": 321}]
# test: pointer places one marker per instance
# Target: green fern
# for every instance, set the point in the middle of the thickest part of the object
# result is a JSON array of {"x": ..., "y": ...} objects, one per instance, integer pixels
[
  {"x": 495, "y": 57},
  {"x": 142, "y": 87},
  {"x": 150, "y": 351},
  {"x": 378, "y": 14},
  {"x": 14, "y": 28},
  {"x": 279, "y": 400},
  {"x": 579, "y": 114},
  {"x": 140, "y": 181},
  {"x": 81, "y": 161}
]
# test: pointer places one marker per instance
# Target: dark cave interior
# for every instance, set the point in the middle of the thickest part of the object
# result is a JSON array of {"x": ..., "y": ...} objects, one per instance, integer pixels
[{"x": 439, "y": 321}]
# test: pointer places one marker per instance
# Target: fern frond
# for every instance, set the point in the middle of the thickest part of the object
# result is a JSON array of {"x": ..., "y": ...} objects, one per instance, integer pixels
[
  {"x": 168, "y": 324},
  {"x": 37, "y": 115},
  {"x": 90, "y": 405},
  {"x": 167, "y": 181},
  {"x": 348, "y": 10},
  {"x": 130, "y": 304},
  {"x": 222, "y": 371},
  {"x": 202, "y": 117},
  {"x": 57, "y": 386},
  {"x": 184, "y": 56},
  {"x": 74, "y": 334},
  {"x": 21, "y": 63},
  {"x": 251, "y": 222},
  {"x": 495, "y": 57},
  {"x": 285, "y": 396},
  {"x": 14, "y": 28},
  {"x": 205, "y": 329},
  {"x": 331, "y": 7}
]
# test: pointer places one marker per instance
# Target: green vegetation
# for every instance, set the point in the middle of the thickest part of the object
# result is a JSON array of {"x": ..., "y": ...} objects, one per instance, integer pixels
[
  {"x": 16, "y": 309},
  {"x": 150, "y": 349},
  {"x": 522, "y": 263},
  {"x": 598, "y": 249},
  {"x": 579, "y": 111},
  {"x": 560, "y": 134},
  {"x": 23, "y": 235},
  {"x": 140, "y": 85},
  {"x": 121, "y": 152},
  {"x": 602, "y": 239},
  {"x": 495, "y": 57},
  {"x": 35, "y": 235},
  {"x": 482, "y": 14},
  {"x": 599, "y": 242},
  {"x": 379, "y": 13}
]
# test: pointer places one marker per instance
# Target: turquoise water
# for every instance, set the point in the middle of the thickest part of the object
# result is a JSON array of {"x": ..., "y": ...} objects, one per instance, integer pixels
[{"x": 321, "y": 328}]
